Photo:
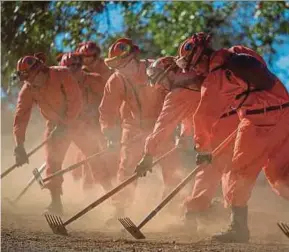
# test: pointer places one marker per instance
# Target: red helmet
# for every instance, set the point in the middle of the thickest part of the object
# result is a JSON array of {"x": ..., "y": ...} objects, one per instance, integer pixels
[
  {"x": 191, "y": 50},
  {"x": 69, "y": 59},
  {"x": 27, "y": 64},
  {"x": 121, "y": 52},
  {"x": 159, "y": 69},
  {"x": 88, "y": 49}
]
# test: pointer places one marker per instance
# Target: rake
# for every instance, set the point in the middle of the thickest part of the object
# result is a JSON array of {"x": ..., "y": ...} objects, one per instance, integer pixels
[
  {"x": 58, "y": 226},
  {"x": 42, "y": 181},
  {"x": 135, "y": 230},
  {"x": 30, "y": 182},
  {"x": 284, "y": 228},
  {"x": 10, "y": 169}
]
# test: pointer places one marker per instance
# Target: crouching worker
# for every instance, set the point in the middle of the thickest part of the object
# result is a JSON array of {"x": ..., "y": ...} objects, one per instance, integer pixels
[
  {"x": 91, "y": 86},
  {"x": 128, "y": 86},
  {"x": 181, "y": 101},
  {"x": 262, "y": 140},
  {"x": 60, "y": 102}
]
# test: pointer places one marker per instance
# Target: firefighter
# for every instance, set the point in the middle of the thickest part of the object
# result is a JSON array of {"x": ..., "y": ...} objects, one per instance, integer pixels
[
  {"x": 262, "y": 102},
  {"x": 92, "y": 62},
  {"x": 143, "y": 104},
  {"x": 60, "y": 101},
  {"x": 91, "y": 86}
]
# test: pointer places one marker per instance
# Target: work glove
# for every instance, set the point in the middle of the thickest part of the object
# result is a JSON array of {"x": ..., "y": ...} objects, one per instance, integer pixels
[
  {"x": 21, "y": 156},
  {"x": 144, "y": 166},
  {"x": 58, "y": 131},
  {"x": 204, "y": 158}
]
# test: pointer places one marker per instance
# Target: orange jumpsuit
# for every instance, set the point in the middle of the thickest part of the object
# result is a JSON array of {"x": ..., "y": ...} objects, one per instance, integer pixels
[
  {"x": 93, "y": 97},
  {"x": 143, "y": 105},
  {"x": 180, "y": 105},
  {"x": 208, "y": 179},
  {"x": 60, "y": 102},
  {"x": 92, "y": 90},
  {"x": 100, "y": 68},
  {"x": 262, "y": 135}
]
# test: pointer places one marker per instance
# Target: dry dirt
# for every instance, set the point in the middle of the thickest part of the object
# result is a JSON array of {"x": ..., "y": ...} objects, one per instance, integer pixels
[{"x": 23, "y": 228}]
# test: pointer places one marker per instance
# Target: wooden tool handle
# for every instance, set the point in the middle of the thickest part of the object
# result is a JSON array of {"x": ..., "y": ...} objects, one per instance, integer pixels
[
  {"x": 184, "y": 182},
  {"x": 10, "y": 169},
  {"x": 113, "y": 191}
]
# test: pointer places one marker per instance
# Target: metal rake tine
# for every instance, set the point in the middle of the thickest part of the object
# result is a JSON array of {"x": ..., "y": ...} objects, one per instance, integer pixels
[
  {"x": 59, "y": 222},
  {"x": 280, "y": 225},
  {"x": 287, "y": 226},
  {"x": 59, "y": 226},
  {"x": 54, "y": 223},
  {"x": 128, "y": 222},
  {"x": 123, "y": 222},
  {"x": 62, "y": 227},
  {"x": 55, "y": 220},
  {"x": 50, "y": 221},
  {"x": 284, "y": 228}
]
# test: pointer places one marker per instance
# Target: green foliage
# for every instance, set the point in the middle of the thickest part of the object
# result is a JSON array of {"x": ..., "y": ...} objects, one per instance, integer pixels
[
  {"x": 29, "y": 27},
  {"x": 158, "y": 27},
  {"x": 255, "y": 24}
]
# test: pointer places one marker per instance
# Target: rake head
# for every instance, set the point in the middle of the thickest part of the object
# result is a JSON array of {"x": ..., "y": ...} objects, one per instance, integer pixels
[
  {"x": 11, "y": 202},
  {"x": 284, "y": 228},
  {"x": 131, "y": 228},
  {"x": 38, "y": 178},
  {"x": 56, "y": 224}
]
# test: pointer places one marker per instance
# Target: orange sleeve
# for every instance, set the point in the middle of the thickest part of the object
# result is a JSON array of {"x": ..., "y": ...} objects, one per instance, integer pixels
[
  {"x": 74, "y": 100},
  {"x": 217, "y": 94},
  {"x": 175, "y": 108},
  {"x": 109, "y": 108},
  {"x": 22, "y": 114}
]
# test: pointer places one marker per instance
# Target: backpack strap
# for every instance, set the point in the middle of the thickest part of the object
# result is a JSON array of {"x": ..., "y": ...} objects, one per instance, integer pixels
[
  {"x": 127, "y": 81},
  {"x": 245, "y": 93}
]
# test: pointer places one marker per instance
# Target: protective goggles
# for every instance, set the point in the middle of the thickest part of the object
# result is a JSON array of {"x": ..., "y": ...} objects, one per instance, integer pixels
[{"x": 188, "y": 60}]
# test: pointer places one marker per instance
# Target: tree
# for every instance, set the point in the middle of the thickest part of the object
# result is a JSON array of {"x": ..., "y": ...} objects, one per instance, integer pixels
[
  {"x": 167, "y": 24},
  {"x": 158, "y": 27},
  {"x": 29, "y": 27}
]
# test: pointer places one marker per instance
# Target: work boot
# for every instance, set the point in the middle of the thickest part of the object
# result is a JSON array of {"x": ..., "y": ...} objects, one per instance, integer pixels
[
  {"x": 55, "y": 207},
  {"x": 238, "y": 230}
]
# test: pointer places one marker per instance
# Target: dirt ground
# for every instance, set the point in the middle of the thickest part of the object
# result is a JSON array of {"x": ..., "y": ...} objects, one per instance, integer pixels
[{"x": 23, "y": 228}]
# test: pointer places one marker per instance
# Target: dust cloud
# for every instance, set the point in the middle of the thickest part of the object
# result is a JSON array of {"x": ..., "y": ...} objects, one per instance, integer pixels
[{"x": 265, "y": 208}]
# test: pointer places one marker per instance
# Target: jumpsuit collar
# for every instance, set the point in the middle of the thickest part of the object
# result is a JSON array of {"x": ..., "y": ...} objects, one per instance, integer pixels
[{"x": 218, "y": 58}]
